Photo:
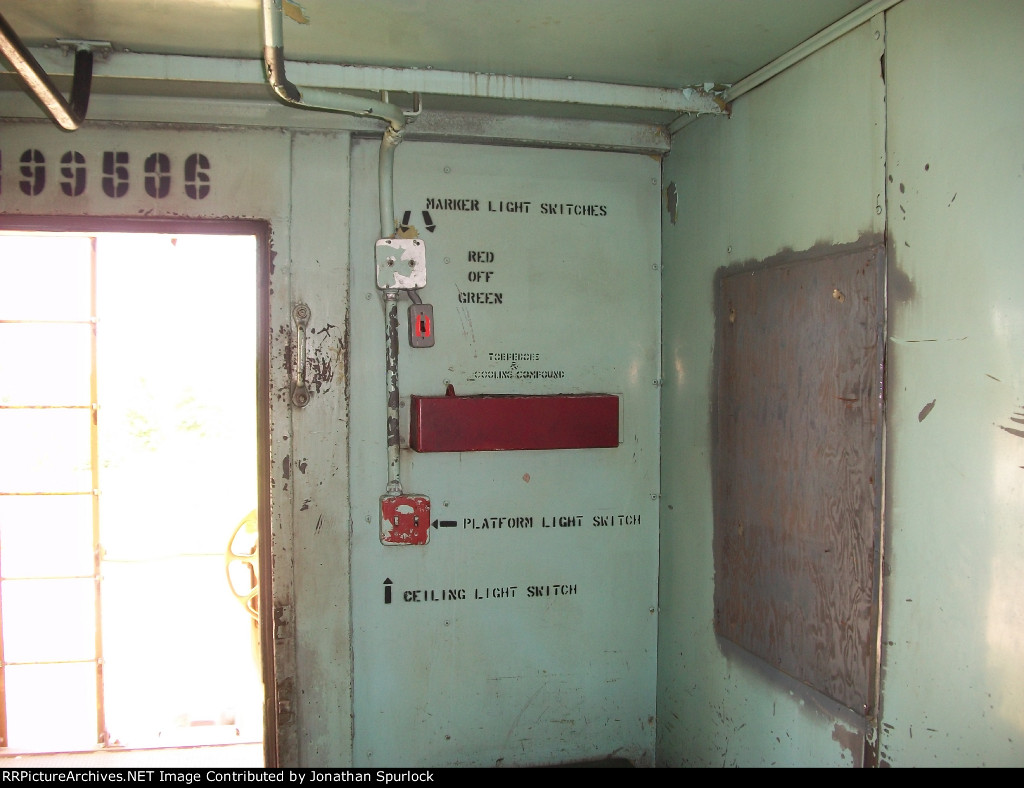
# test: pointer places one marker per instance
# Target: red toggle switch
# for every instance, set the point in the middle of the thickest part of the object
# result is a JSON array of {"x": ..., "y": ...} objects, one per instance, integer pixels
[{"x": 421, "y": 325}]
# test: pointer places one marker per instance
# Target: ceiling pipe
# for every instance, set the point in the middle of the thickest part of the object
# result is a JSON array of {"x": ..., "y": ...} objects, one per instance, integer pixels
[
  {"x": 332, "y": 101},
  {"x": 833, "y": 32},
  {"x": 396, "y": 118},
  {"x": 837, "y": 30},
  {"x": 69, "y": 116}
]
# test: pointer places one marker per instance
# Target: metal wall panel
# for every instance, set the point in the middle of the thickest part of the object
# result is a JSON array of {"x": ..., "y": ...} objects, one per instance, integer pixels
[
  {"x": 797, "y": 468},
  {"x": 524, "y": 631},
  {"x": 953, "y": 642},
  {"x": 798, "y": 165}
]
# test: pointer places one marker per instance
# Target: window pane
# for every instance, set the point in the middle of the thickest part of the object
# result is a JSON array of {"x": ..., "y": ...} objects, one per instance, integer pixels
[
  {"x": 51, "y": 707},
  {"x": 46, "y": 535},
  {"x": 45, "y": 277},
  {"x": 45, "y": 363},
  {"x": 49, "y": 620},
  {"x": 45, "y": 450}
]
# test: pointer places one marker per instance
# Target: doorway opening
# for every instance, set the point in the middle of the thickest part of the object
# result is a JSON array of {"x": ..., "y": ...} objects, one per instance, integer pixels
[{"x": 131, "y": 489}]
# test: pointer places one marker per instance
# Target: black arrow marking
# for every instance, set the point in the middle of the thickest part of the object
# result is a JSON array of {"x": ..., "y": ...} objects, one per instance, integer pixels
[
  {"x": 387, "y": 591},
  {"x": 428, "y": 222},
  {"x": 445, "y": 523}
]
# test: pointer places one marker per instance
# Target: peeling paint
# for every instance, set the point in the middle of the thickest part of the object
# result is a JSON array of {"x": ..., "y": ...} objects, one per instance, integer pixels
[
  {"x": 294, "y": 11},
  {"x": 925, "y": 411},
  {"x": 846, "y": 738},
  {"x": 672, "y": 202}
]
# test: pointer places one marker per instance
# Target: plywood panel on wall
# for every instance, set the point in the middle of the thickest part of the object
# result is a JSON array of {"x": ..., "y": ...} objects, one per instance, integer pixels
[{"x": 797, "y": 467}]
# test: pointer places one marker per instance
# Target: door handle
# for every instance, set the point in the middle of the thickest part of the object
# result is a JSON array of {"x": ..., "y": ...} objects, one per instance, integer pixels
[{"x": 300, "y": 391}]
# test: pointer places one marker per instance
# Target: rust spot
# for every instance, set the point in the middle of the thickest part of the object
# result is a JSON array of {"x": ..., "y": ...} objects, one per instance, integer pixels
[
  {"x": 846, "y": 738},
  {"x": 526, "y": 478},
  {"x": 286, "y": 467},
  {"x": 925, "y": 411}
]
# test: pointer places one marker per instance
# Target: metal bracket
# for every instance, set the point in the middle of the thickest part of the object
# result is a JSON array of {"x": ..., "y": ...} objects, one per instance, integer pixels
[
  {"x": 69, "y": 115},
  {"x": 300, "y": 392},
  {"x": 101, "y": 50}
]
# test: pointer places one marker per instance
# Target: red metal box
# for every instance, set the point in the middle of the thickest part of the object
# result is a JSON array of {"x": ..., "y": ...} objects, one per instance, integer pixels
[{"x": 513, "y": 422}]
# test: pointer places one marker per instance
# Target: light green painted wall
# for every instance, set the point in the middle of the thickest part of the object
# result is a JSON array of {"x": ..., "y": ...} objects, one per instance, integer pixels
[
  {"x": 547, "y": 652},
  {"x": 799, "y": 163},
  {"x": 802, "y": 163},
  {"x": 953, "y": 682}
]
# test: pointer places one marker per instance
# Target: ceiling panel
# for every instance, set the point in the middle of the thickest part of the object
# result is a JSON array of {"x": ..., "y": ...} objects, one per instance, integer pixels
[{"x": 656, "y": 43}]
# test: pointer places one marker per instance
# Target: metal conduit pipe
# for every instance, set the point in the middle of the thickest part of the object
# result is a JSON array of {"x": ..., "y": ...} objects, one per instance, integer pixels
[
  {"x": 319, "y": 99},
  {"x": 333, "y": 101},
  {"x": 314, "y": 98},
  {"x": 391, "y": 384},
  {"x": 69, "y": 116},
  {"x": 833, "y": 32}
]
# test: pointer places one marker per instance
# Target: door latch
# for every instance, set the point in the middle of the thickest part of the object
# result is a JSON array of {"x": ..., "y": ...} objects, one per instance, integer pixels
[{"x": 300, "y": 391}]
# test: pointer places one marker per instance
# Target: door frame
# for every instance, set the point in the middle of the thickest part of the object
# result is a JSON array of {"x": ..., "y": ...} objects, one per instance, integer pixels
[{"x": 200, "y": 226}]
